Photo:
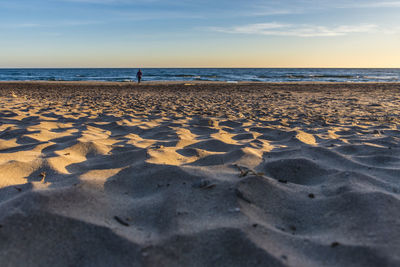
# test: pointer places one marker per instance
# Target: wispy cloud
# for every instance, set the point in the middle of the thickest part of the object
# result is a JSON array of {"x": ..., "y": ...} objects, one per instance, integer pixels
[
  {"x": 19, "y": 26},
  {"x": 98, "y": 1},
  {"x": 262, "y": 12},
  {"x": 108, "y": 2},
  {"x": 363, "y": 4},
  {"x": 279, "y": 29},
  {"x": 382, "y": 4},
  {"x": 69, "y": 23},
  {"x": 153, "y": 15},
  {"x": 359, "y": 4},
  {"x": 305, "y": 6}
]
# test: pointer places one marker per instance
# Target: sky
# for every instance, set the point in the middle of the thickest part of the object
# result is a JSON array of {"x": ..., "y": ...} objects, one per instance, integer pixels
[{"x": 201, "y": 33}]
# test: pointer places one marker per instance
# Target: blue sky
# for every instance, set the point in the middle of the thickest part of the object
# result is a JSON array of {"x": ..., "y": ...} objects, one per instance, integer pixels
[{"x": 188, "y": 33}]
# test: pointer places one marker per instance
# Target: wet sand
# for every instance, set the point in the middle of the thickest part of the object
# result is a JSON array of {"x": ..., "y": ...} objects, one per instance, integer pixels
[{"x": 199, "y": 174}]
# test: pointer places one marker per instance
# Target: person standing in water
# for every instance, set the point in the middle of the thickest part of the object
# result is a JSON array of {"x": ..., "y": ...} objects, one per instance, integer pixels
[{"x": 139, "y": 75}]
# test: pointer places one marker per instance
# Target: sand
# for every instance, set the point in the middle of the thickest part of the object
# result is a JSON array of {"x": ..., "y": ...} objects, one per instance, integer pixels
[{"x": 199, "y": 174}]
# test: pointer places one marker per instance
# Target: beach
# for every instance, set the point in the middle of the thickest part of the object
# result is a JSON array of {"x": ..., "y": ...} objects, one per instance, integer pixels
[{"x": 199, "y": 174}]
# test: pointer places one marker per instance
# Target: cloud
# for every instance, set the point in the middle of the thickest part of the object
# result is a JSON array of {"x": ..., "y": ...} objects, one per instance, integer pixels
[
  {"x": 19, "y": 26},
  {"x": 383, "y": 4},
  {"x": 279, "y": 29},
  {"x": 363, "y": 4},
  {"x": 153, "y": 15},
  {"x": 69, "y": 23},
  {"x": 113, "y": 2},
  {"x": 304, "y": 6},
  {"x": 97, "y": 1}
]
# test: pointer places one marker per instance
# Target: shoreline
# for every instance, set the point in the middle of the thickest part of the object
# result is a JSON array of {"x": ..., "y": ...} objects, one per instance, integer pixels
[{"x": 193, "y": 82}]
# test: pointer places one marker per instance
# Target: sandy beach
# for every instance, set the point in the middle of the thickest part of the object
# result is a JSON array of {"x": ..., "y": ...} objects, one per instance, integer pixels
[{"x": 199, "y": 174}]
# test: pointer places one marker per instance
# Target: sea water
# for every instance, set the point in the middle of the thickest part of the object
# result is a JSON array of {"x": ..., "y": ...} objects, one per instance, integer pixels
[{"x": 203, "y": 74}]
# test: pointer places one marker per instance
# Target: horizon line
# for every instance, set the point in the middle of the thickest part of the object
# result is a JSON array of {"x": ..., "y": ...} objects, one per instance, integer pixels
[{"x": 2, "y": 68}]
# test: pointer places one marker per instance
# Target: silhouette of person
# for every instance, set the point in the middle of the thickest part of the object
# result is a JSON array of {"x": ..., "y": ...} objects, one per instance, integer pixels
[{"x": 139, "y": 75}]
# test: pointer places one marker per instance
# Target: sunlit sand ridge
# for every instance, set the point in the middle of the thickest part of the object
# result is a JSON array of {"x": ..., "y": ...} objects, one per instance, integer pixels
[{"x": 200, "y": 175}]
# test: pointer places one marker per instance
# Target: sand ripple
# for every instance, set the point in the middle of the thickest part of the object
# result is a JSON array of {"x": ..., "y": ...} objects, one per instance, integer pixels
[{"x": 211, "y": 175}]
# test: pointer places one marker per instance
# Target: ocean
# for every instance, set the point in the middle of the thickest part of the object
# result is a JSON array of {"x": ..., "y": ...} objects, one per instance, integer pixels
[{"x": 203, "y": 74}]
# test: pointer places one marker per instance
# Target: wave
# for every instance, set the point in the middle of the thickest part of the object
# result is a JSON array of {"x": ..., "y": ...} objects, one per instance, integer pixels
[
  {"x": 184, "y": 75},
  {"x": 312, "y": 76},
  {"x": 382, "y": 77}
]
